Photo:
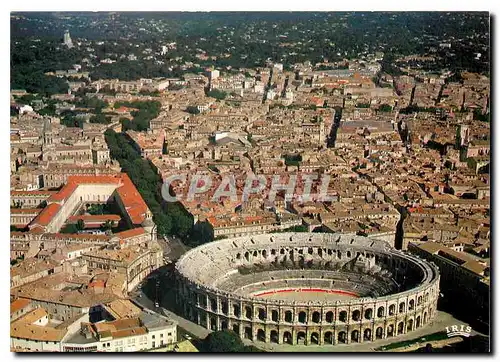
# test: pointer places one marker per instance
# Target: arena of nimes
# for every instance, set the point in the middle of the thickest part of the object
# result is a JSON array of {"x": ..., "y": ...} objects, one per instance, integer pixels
[{"x": 307, "y": 288}]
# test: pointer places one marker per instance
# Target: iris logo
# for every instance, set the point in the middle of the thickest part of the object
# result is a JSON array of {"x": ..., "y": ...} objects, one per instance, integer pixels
[{"x": 458, "y": 330}]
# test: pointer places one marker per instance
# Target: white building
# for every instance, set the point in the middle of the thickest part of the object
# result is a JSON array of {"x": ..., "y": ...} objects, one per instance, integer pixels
[
  {"x": 67, "y": 39},
  {"x": 214, "y": 74}
]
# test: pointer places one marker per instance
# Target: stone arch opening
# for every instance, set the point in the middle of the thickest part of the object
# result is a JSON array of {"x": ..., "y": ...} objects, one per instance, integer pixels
[
  {"x": 410, "y": 325},
  {"x": 223, "y": 325},
  {"x": 288, "y": 316},
  {"x": 411, "y": 305},
  {"x": 401, "y": 328},
  {"x": 248, "y": 333},
  {"x": 343, "y": 316},
  {"x": 392, "y": 309},
  {"x": 339, "y": 254},
  {"x": 356, "y": 315},
  {"x": 379, "y": 333},
  {"x": 261, "y": 335},
  {"x": 380, "y": 312},
  {"x": 302, "y": 317},
  {"x": 264, "y": 253},
  {"x": 213, "y": 324},
  {"x": 236, "y": 329},
  {"x": 247, "y": 256},
  {"x": 224, "y": 307},
  {"x": 248, "y": 312},
  {"x": 349, "y": 253},
  {"x": 314, "y": 338},
  {"x": 274, "y": 337},
  {"x": 419, "y": 300},
  {"x": 401, "y": 307},
  {"x": 367, "y": 334},
  {"x": 287, "y": 338},
  {"x": 355, "y": 336},
  {"x": 329, "y": 317},
  {"x": 426, "y": 299},
  {"x": 425, "y": 317},
  {"x": 369, "y": 313},
  {"x": 316, "y": 317},
  {"x": 390, "y": 330},
  {"x": 301, "y": 338},
  {"x": 417, "y": 322},
  {"x": 262, "y": 314},
  {"x": 236, "y": 310},
  {"x": 342, "y": 337},
  {"x": 328, "y": 337},
  {"x": 274, "y": 315}
]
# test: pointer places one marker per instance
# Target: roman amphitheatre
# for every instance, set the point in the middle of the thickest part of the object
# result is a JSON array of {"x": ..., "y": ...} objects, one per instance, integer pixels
[{"x": 307, "y": 288}]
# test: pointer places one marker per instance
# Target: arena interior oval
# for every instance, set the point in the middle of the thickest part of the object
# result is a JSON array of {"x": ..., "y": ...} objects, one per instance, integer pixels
[{"x": 307, "y": 288}]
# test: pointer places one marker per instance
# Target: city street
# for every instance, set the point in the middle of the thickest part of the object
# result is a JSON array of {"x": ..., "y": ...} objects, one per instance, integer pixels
[{"x": 164, "y": 294}]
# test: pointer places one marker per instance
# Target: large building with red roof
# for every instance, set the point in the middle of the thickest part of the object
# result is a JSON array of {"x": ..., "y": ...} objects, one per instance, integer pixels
[{"x": 80, "y": 190}]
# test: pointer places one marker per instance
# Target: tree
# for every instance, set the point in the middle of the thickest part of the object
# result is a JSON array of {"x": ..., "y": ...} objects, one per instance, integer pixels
[
  {"x": 69, "y": 229},
  {"x": 80, "y": 225},
  {"x": 192, "y": 110},
  {"x": 222, "y": 341},
  {"x": 217, "y": 94},
  {"x": 50, "y": 110},
  {"x": 100, "y": 118},
  {"x": 108, "y": 225},
  {"x": 385, "y": 108}
]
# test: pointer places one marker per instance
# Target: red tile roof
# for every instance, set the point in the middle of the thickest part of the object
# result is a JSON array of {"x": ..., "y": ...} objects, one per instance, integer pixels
[
  {"x": 19, "y": 304},
  {"x": 24, "y": 211},
  {"x": 95, "y": 218},
  {"x": 32, "y": 193},
  {"x": 43, "y": 218},
  {"x": 130, "y": 233},
  {"x": 132, "y": 200}
]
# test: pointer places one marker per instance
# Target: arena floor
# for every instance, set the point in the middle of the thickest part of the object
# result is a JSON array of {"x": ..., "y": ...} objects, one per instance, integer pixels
[{"x": 300, "y": 295}]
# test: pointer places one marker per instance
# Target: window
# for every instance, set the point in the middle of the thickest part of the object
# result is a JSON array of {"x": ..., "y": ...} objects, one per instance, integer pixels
[
  {"x": 169, "y": 334},
  {"x": 153, "y": 336},
  {"x": 161, "y": 335}
]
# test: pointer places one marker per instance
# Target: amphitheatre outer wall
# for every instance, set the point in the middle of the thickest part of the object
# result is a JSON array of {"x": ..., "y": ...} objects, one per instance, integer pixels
[{"x": 220, "y": 285}]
